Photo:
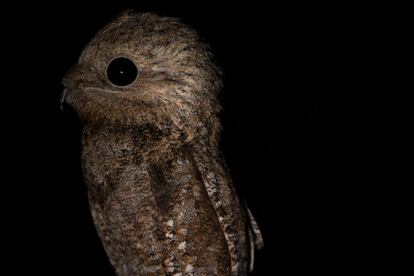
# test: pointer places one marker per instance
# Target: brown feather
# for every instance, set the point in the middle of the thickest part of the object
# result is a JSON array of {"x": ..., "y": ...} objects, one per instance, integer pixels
[{"x": 161, "y": 198}]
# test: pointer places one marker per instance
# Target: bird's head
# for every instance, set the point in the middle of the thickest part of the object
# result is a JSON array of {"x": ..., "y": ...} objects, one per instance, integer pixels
[{"x": 142, "y": 69}]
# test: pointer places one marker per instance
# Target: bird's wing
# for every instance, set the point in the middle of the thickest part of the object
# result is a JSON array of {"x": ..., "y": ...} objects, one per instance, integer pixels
[
  {"x": 254, "y": 236},
  {"x": 229, "y": 211}
]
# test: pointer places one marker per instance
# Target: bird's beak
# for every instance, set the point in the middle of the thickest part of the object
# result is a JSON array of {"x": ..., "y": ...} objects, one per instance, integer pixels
[
  {"x": 70, "y": 78},
  {"x": 63, "y": 98}
]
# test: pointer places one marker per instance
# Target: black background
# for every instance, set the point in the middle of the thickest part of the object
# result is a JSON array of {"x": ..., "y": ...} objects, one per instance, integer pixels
[{"x": 300, "y": 121}]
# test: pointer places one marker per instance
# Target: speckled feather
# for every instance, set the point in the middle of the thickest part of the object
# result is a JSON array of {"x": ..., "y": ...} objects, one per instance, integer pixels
[{"x": 160, "y": 195}]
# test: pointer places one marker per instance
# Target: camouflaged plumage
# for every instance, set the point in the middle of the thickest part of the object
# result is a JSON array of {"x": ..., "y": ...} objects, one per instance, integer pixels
[{"x": 160, "y": 195}]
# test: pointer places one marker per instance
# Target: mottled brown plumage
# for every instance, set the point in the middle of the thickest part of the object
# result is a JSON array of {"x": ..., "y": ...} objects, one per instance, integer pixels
[{"x": 161, "y": 198}]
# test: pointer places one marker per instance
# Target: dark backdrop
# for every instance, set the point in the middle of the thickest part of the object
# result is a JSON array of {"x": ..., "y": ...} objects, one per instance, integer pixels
[{"x": 299, "y": 117}]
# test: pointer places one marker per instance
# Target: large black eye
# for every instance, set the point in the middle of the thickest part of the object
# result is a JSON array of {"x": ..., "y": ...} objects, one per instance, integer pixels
[{"x": 122, "y": 71}]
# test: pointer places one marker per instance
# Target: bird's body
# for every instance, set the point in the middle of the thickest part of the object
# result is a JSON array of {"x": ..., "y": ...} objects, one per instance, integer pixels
[
  {"x": 156, "y": 212},
  {"x": 161, "y": 198}
]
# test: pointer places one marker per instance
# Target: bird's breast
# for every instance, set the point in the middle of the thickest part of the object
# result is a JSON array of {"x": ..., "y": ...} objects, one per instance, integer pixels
[{"x": 152, "y": 217}]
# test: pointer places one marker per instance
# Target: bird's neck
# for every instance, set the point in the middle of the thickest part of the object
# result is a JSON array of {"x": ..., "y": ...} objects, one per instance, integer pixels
[{"x": 135, "y": 144}]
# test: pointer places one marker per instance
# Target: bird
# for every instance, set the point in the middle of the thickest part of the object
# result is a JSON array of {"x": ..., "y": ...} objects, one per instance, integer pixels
[{"x": 145, "y": 90}]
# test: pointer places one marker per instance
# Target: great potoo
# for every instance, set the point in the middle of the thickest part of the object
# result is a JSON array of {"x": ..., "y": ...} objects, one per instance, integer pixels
[{"x": 145, "y": 89}]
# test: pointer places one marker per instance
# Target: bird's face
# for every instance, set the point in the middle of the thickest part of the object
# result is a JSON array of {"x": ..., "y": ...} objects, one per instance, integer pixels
[{"x": 144, "y": 69}]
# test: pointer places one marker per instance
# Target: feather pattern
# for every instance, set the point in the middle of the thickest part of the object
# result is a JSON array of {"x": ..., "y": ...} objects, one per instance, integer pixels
[{"x": 160, "y": 195}]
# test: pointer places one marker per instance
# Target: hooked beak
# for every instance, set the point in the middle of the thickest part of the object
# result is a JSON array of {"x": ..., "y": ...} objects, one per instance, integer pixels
[
  {"x": 67, "y": 83},
  {"x": 63, "y": 98}
]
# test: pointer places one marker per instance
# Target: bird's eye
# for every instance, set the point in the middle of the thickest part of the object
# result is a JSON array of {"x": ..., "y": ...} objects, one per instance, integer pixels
[{"x": 122, "y": 71}]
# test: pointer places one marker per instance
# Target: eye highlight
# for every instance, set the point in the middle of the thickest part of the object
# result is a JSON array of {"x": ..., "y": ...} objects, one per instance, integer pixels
[{"x": 121, "y": 71}]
